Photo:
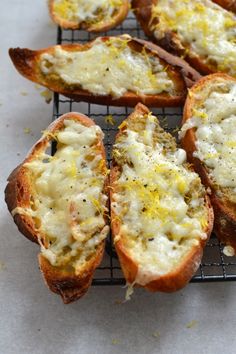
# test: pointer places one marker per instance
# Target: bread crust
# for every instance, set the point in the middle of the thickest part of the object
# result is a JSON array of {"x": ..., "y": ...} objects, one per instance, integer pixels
[
  {"x": 171, "y": 41},
  {"x": 101, "y": 26},
  {"x": 227, "y": 4},
  {"x": 27, "y": 63},
  {"x": 224, "y": 209},
  {"x": 18, "y": 193},
  {"x": 173, "y": 280}
]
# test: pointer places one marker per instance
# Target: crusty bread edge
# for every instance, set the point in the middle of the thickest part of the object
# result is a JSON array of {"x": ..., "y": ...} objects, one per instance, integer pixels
[
  {"x": 26, "y": 62},
  {"x": 174, "y": 280},
  {"x": 95, "y": 28},
  {"x": 229, "y": 5},
  {"x": 70, "y": 286},
  {"x": 225, "y": 212}
]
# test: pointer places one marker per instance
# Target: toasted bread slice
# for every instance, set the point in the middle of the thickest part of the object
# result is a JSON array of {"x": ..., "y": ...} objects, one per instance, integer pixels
[
  {"x": 90, "y": 15},
  {"x": 161, "y": 216},
  {"x": 109, "y": 70},
  {"x": 209, "y": 137},
  {"x": 201, "y": 32},
  {"x": 59, "y": 202}
]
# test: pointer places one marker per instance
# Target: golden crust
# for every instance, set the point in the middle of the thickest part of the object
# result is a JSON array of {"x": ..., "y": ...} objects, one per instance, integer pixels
[
  {"x": 101, "y": 26},
  {"x": 18, "y": 193},
  {"x": 224, "y": 209},
  {"x": 227, "y": 4},
  {"x": 176, "y": 279},
  {"x": 27, "y": 63},
  {"x": 171, "y": 41}
]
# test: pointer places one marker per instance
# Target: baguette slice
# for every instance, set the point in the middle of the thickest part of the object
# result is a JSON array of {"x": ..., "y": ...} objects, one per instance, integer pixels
[
  {"x": 209, "y": 137},
  {"x": 161, "y": 216},
  {"x": 201, "y": 32},
  {"x": 109, "y": 70},
  {"x": 59, "y": 202},
  {"x": 89, "y": 15}
]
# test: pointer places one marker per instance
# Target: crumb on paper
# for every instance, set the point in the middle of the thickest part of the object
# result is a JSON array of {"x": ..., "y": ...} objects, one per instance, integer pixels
[
  {"x": 115, "y": 341},
  {"x": 228, "y": 251},
  {"x": 129, "y": 291},
  {"x": 2, "y": 265},
  {"x": 192, "y": 324},
  {"x": 37, "y": 86},
  {"x": 27, "y": 130},
  {"x": 24, "y": 93},
  {"x": 47, "y": 95},
  {"x": 110, "y": 119},
  {"x": 156, "y": 334},
  {"x": 118, "y": 302}
]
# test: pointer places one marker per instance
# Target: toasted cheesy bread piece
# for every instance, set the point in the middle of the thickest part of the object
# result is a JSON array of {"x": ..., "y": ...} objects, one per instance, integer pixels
[
  {"x": 109, "y": 70},
  {"x": 161, "y": 217},
  {"x": 200, "y": 31},
  {"x": 90, "y": 15},
  {"x": 60, "y": 202},
  {"x": 209, "y": 137}
]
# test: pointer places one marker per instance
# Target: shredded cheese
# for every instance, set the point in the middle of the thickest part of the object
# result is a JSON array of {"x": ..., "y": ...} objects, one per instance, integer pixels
[
  {"x": 108, "y": 68},
  {"x": 207, "y": 28}
]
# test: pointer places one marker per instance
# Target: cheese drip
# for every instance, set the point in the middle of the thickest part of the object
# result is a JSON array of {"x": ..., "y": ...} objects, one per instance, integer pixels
[
  {"x": 215, "y": 123},
  {"x": 208, "y": 29},
  {"x": 108, "y": 68},
  {"x": 86, "y": 10},
  {"x": 68, "y": 203},
  {"x": 159, "y": 202}
]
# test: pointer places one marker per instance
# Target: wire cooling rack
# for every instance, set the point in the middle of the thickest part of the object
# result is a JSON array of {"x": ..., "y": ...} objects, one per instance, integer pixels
[{"x": 215, "y": 265}]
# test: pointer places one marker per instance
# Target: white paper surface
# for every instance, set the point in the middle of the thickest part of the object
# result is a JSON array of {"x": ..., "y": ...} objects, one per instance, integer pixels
[{"x": 199, "y": 319}]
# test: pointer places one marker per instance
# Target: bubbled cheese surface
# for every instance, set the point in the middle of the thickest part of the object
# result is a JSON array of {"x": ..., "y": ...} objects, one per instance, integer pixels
[
  {"x": 86, "y": 10},
  {"x": 68, "y": 201},
  {"x": 110, "y": 68},
  {"x": 154, "y": 195},
  {"x": 215, "y": 123},
  {"x": 206, "y": 27}
]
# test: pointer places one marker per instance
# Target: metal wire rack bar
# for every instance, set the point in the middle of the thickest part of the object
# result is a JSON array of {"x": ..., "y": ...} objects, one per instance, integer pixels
[{"x": 215, "y": 265}]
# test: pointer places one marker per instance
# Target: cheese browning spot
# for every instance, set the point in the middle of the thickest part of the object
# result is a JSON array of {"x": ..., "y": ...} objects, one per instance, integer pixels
[
  {"x": 68, "y": 207},
  {"x": 207, "y": 28},
  {"x": 159, "y": 200},
  {"x": 109, "y": 67}
]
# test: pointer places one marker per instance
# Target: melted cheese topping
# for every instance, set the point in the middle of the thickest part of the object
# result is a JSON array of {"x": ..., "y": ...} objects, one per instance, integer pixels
[
  {"x": 161, "y": 216},
  {"x": 68, "y": 203},
  {"x": 215, "y": 123},
  {"x": 109, "y": 68},
  {"x": 86, "y": 10},
  {"x": 208, "y": 29}
]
